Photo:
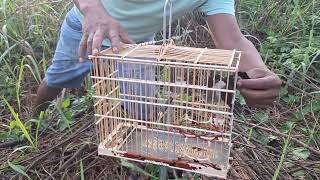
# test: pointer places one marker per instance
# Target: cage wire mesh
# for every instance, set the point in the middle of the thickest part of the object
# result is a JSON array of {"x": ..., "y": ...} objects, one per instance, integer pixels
[{"x": 166, "y": 105}]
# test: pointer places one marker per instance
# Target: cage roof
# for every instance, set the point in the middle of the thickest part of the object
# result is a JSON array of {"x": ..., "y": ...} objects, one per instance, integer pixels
[{"x": 221, "y": 57}]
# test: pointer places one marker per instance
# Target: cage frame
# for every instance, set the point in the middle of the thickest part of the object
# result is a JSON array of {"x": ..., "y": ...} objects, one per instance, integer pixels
[{"x": 158, "y": 57}]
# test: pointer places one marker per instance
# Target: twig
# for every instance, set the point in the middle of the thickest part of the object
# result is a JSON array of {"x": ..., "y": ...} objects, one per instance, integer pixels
[
  {"x": 93, "y": 163},
  {"x": 248, "y": 169},
  {"x": 300, "y": 90},
  {"x": 75, "y": 155},
  {"x": 83, "y": 128},
  {"x": 48, "y": 173},
  {"x": 281, "y": 134},
  {"x": 9, "y": 144},
  {"x": 265, "y": 163},
  {"x": 237, "y": 127}
]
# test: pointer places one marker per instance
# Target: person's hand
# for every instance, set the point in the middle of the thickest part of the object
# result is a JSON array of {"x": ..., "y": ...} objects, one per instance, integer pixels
[
  {"x": 262, "y": 89},
  {"x": 97, "y": 26}
]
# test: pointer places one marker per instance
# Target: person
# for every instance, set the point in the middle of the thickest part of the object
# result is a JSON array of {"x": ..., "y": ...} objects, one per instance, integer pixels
[{"x": 91, "y": 25}]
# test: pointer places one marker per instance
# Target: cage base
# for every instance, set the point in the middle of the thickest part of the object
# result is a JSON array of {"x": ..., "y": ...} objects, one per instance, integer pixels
[{"x": 171, "y": 149}]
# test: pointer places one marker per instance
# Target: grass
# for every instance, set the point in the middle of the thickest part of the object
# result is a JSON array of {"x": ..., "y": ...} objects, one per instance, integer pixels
[
  {"x": 283, "y": 155},
  {"x": 286, "y": 33},
  {"x": 18, "y": 122}
]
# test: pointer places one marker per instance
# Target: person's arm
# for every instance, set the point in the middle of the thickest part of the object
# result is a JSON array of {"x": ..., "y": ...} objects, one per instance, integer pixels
[
  {"x": 97, "y": 26},
  {"x": 262, "y": 89}
]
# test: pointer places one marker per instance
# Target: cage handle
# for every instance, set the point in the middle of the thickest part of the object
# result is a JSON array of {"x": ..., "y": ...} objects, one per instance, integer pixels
[{"x": 167, "y": 3}]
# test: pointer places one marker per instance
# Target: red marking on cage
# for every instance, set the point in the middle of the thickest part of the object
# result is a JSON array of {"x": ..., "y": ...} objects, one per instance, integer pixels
[{"x": 174, "y": 163}]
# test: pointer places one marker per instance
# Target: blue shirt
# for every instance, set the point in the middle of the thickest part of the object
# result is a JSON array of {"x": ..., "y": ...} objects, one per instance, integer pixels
[{"x": 143, "y": 18}]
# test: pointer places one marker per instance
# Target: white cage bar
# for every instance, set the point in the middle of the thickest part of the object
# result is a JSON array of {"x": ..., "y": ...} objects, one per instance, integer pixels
[{"x": 166, "y": 105}]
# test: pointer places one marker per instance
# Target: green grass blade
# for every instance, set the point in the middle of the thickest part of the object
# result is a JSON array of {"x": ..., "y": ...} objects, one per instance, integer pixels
[
  {"x": 35, "y": 67},
  {"x": 19, "y": 122},
  {"x": 32, "y": 72},
  {"x": 7, "y": 52},
  {"x": 284, "y": 152},
  {"x": 18, "y": 84},
  {"x": 3, "y": 7},
  {"x": 18, "y": 169},
  {"x": 38, "y": 126},
  {"x": 81, "y": 171}
]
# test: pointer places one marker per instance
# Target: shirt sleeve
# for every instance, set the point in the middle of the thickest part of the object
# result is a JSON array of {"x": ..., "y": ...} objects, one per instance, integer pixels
[{"x": 211, "y": 7}]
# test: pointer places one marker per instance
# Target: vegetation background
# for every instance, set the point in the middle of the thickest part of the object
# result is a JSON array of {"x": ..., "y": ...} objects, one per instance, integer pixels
[{"x": 280, "y": 143}]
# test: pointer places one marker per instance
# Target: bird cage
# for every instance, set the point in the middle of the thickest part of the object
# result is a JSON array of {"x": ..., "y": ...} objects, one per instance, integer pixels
[{"x": 166, "y": 105}]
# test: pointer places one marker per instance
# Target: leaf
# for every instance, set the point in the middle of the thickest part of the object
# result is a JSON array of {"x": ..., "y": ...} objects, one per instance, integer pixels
[
  {"x": 300, "y": 173},
  {"x": 240, "y": 98},
  {"x": 287, "y": 126},
  {"x": 63, "y": 124},
  {"x": 302, "y": 153},
  {"x": 13, "y": 124},
  {"x": 291, "y": 99},
  {"x": 68, "y": 116},
  {"x": 186, "y": 97},
  {"x": 261, "y": 116},
  {"x": 4, "y": 136},
  {"x": 66, "y": 103},
  {"x": 18, "y": 168},
  {"x": 65, "y": 119},
  {"x": 135, "y": 168}
]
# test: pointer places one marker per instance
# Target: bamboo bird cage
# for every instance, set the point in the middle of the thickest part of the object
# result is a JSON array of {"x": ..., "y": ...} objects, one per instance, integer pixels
[{"x": 167, "y": 105}]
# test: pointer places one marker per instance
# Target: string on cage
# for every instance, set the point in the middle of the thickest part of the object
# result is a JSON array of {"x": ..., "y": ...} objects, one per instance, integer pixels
[
  {"x": 167, "y": 3},
  {"x": 164, "y": 37}
]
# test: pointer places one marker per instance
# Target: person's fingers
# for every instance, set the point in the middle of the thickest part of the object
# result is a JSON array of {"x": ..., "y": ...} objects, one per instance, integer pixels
[
  {"x": 267, "y": 82},
  {"x": 83, "y": 47},
  {"x": 264, "y": 103},
  {"x": 257, "y": 73},
  {"x": 115, "y": 40},
  {"x": 261, "y": 104},
  {"x": 259, "y": 94},
  {"x": 89, "y": 43},
  {"x": 125, "y": 37},
  {"x": 97, "y": 41}
]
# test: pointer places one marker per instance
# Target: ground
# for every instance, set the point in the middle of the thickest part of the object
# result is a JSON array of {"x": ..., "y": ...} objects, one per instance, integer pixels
[{"x": 280, "y": 142}]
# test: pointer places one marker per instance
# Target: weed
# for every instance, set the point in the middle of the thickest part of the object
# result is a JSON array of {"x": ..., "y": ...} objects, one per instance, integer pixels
[{"x": 20, "y": 124}]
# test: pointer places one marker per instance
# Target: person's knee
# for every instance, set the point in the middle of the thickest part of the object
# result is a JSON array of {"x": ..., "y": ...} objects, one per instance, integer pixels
[
  {"x": 46, "y": 90},
  {"x": 67, "y": 73}
]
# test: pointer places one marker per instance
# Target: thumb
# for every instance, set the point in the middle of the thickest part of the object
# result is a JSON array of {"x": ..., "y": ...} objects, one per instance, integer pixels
[
  {"x": 257, "y": 73},
  {"x": 262, "y": 83},
  {"x": 256, "y": 78}
]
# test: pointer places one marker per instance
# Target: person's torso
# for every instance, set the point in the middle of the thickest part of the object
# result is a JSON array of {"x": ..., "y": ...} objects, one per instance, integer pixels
[{"x": 143, "y": 18}]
